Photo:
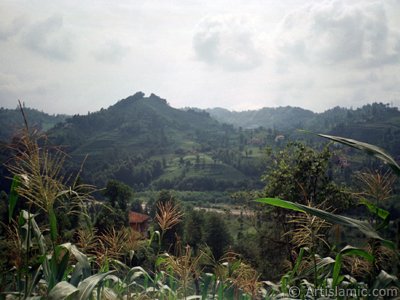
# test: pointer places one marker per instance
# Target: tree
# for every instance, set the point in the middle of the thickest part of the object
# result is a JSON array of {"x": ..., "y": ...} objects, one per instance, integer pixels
[
  {"x": 301, "y": 174},
  {"x": 298, "y": 174},
  {"x": 136, "y": 205},
  {"x": 217, "y": 235},
  {"x": 118, "y": 194},
  {"x": 194, "y": 229},
  {"x": 115, "y": 214}
]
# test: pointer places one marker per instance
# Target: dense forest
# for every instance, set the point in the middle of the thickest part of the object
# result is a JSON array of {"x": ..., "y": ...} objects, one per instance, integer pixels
[{"x": 145, "y": 201}]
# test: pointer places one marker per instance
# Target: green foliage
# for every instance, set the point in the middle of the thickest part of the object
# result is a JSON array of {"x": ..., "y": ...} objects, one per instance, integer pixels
[
  {"x": 136, "y": 205},
  {"x": 118, "y": 194},
  {"x": 216, "y": 235},
  {"x": 13, "y": 197},
  {"x": 334, "y": 279},
  {"x": 11, "y": 119},
  {"x": 363, "y": 226},
  {"x": 194, "y": 229},
  {"x": 299, "y": 173}
]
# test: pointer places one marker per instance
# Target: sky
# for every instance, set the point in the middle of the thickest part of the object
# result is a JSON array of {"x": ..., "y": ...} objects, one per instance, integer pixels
[{"x": 70, "y": 56}]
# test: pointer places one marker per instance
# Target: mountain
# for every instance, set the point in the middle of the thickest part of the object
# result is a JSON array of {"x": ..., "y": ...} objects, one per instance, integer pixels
[
  {"x": 282, "y": 118},
  {"x": 11, "y": 121},
  {"x": 375, "y": 123},
  {"x": 147, "y": 144},
  {"x": 144, "y": 142}
]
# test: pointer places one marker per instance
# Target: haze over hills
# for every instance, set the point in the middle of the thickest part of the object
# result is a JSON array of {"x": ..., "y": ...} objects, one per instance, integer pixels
[{"x": 146, "y": 143}]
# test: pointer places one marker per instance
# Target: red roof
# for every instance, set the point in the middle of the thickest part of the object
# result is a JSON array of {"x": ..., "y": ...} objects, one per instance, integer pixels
[{"x": 137, "y": 218}]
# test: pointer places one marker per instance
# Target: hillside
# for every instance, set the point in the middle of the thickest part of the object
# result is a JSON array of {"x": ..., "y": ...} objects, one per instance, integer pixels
[
  {"x": 144, "y": 142},
  {"x": 282, "y": 118},
  {"x": 375, "y": 123},
  {"x": 11, "y": 121},
  {"x": 147, "y": 144}
]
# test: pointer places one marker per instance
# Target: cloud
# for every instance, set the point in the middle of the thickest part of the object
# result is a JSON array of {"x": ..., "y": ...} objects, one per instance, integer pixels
[
  {"x": 227, "y": 41},
  {"x": 49, "y": 39},
  {"x": 11, "y": 29},
  {"x": 335, "y": 32},
  {"x": 111, "y": 52},
  {"x": 12, "y": 88}
]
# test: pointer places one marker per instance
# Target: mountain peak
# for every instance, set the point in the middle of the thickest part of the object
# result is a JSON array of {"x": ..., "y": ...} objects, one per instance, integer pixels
[{"x": 131, "y": 99}]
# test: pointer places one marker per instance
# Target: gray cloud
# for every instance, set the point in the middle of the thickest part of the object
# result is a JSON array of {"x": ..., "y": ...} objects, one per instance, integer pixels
[
  {"x": 227, "y": 41},
  {"x": 111, "y": 52},
  {"x": 335, "y": 32},
  {"x": 11, "y": 29},
  {"x": 49, "y": 39}
]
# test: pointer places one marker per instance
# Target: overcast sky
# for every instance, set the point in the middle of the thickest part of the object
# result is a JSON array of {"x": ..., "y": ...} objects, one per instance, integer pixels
[{"x": 72, "y": 56}]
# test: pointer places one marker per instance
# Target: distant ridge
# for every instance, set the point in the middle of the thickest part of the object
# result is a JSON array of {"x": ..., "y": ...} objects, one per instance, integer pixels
[{"x": 146, "y": 143}]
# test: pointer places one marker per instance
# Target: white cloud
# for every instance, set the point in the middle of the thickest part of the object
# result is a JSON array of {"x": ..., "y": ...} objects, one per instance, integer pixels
[
  {"x": 111, "y": 52},
  {"x": 227, "y": 41},
  {"x": 71, "y": 56},
  {"x": 8, "y": 30},
  {"x": 336, "y": 32}
]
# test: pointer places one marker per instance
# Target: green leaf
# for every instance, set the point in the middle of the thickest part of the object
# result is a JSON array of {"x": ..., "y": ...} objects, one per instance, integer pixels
[
  {"x": 383, "y": 280},
  {"x": 297, "y": 264},
  {"x": 364, "y": 227},
  {"x": 381, "y": 213},
  {"x": 57, "y": 266},
  {"x": 86, "y": 286},
  {"x": 280, "y": 203},
  {"x": 13, "y": 196},
  {"x": 336, "y": 270},
  {"x": 349, "y": 250},
  {"x": 207, "y": 279},
  {"x": 82, "y": 268},
  {"x": 53, "y": 225},
  {"x": 368, "y": 148},
  {"x": 62, "y": 290}
]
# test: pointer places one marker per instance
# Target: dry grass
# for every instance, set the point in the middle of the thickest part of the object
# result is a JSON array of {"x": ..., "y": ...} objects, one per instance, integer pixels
[
  {"x": 115, "y": 244},
  {"x": 308, "y": 230},
  {"x": 185, "y": 267},
  {"x": 168, "y": 215},
  {"x": 14, "y": 246},
  {"x": 377, "y": 186},
  {"x": 39, "y": 171},
  {"x": 87, "y": 240},
  {"x": 43, "y": 185}
]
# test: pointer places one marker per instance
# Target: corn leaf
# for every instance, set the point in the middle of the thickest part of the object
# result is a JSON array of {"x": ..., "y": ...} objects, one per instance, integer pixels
[
  {"x": 13, "y": 196},
  {"x": 53, "y": 225},
  {"x": 336, "y": 270},
  {"x": 86, "y": 286},
  {"x": 349, "y": 251},
  {"x": 62, "y": 290},
  {"x": 364, "y": 227},
  {"x": 368, "y": 148},
  {"x": 82, "y": 268},
  {"x": 380, "y": 212}
]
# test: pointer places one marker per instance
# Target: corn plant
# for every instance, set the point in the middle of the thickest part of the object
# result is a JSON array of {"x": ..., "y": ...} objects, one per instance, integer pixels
[{"x": 330, "y": 268}]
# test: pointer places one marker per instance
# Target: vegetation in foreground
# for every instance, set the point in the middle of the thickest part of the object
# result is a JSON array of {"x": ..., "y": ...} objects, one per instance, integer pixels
[{"x": 58, "y": 246}]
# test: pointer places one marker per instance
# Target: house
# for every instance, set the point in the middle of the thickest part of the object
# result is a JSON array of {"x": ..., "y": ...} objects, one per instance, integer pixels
[{"x": 139, "y": 222}]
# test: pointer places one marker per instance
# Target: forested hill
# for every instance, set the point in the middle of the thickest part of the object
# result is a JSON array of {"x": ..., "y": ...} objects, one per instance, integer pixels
[
  {"x": 144, "y": 142},
  {"x": 282, "y": 118},
  {"x": 375, "y": 123},
  {"x": 11, "y": 121}
]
